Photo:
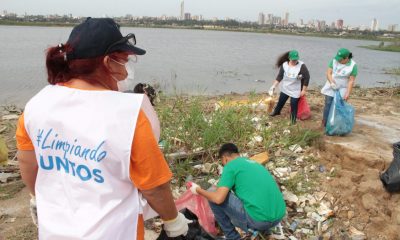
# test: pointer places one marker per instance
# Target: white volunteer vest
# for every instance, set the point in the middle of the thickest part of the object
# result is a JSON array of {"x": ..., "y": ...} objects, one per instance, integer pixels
[
  {"x": 290, "y": 84},
  {"x": 82, "y": 143},
  {"x": 341, "y": 74}
]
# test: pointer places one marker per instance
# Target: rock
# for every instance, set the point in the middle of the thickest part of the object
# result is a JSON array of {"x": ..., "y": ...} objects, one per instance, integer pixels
[
  {"x": 356, "y": 235},
  {"x": 350, "y": 214},
  {"x": 369, "y": 201},
  {"x": 10, "y": 117}
]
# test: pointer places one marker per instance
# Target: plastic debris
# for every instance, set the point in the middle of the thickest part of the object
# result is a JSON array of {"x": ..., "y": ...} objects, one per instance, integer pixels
[
  {"x": 356, "y": 234},
  {"x": 290, "y": 197},
  {"x": 296, "y": 148},
  {"x": 10, "y": 117}
]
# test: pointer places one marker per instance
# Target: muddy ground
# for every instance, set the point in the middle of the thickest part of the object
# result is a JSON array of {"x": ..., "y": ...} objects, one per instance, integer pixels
[{"x": 356, "y": 191}]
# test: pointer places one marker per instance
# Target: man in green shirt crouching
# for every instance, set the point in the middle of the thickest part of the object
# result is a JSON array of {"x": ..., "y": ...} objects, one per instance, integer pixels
[{"x": 246, "y": 196}]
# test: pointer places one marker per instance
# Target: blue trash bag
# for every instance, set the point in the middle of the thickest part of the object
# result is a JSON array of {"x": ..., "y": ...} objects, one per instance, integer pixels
[{"x": 341, "y": 117}]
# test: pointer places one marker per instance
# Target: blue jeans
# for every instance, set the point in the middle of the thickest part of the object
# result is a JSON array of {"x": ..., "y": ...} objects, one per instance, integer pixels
[
  {"x": 294, "y": 102},
  {"x": 328, "y": 103},
  {"x": 231, "y": 214}
]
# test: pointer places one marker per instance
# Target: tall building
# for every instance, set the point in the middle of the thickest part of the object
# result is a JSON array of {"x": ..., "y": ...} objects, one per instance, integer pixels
[
  {"x": 374, "y": 25},
  {"x": 261, "y": 18},
  {"x": 286, "y": 21},
  {"x": 187, "y": 16},
  {"x": 182, "y": 10},
  {"x": 392, "y": 27},
  {"x": 269, "y": 18},
  {"x": 339, "y": 24},
  {"x": 276, "y": 20}
]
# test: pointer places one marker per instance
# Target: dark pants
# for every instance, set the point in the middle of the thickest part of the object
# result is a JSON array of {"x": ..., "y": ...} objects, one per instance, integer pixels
[
  {"x": 294, "y": 102},
  {"x": 231, "y": 214},
  {"x": 328, "y": 103}
]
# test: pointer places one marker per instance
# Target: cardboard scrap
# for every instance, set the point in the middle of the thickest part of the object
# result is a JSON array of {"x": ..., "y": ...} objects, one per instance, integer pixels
[{"x": 261, "y": 157}]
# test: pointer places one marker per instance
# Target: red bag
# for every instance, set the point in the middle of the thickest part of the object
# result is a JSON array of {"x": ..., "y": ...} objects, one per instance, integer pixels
[
  {"x": 303, "y": 109},
  {"x": 200, "y": 207}
]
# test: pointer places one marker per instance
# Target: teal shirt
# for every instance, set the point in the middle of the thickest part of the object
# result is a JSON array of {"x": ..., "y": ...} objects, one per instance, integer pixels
[
  {"x": 353, "y": 73},
  {"x": 255, "y": 187}
]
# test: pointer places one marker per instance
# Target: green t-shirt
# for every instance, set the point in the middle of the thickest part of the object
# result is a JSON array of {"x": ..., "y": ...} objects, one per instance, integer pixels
[
  {"x": 255, "y": 187},
  {"x": 353, "y": 73}
]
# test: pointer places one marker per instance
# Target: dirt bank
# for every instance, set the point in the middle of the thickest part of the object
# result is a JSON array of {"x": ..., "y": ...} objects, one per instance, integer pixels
[{"x": 354, "y": 162}]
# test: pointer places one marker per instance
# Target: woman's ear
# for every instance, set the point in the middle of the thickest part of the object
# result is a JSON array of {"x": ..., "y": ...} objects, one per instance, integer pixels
[{"x": 106, "y": 59}]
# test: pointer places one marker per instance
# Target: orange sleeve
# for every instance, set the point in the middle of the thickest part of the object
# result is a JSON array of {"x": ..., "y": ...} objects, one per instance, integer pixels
[
  {"x": 24, "y": 142},
  {"x": 148, "y": 167}
]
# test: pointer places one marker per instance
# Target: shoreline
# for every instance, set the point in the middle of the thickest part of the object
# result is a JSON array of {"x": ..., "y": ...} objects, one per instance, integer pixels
[{"x": 217, "y": 28}]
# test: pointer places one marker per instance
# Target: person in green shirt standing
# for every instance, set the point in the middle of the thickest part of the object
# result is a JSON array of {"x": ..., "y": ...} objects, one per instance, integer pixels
[
  {"x": 341, "y": 75},
  {"x": 246, "y": 196}
]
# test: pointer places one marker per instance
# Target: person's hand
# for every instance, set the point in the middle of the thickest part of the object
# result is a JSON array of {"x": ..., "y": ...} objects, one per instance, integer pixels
[
  {"x": 33, "y": 209},
  {"x": 271, "y": 90},
  {"x": 333, "y": 85},
  {"x": 303, "y": 93},
  {"x": 193, "y": 187},
  {"x": 177, "y": 227},
  {"x": 346, "y": 96}
]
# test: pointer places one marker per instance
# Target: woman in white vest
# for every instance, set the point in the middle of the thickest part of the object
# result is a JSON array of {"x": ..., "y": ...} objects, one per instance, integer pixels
[
  {"x": 86, "y": 150},
  {"x": 341, "y": 75},
  {"x": 293, "y": 78}
]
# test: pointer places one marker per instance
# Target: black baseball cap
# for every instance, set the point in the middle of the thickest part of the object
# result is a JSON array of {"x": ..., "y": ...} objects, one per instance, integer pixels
[{"x": 97, "y": 37}]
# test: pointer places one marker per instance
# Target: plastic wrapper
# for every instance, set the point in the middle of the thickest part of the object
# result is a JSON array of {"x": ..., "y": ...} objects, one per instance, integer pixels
[{"x": 200, "y": 207}]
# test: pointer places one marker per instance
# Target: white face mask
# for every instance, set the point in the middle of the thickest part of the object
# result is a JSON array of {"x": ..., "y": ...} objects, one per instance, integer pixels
[{"x": 128, "y": 82}]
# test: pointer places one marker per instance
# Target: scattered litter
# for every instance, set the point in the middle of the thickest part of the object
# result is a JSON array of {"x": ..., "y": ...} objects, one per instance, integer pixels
[
  {"x": 10, "y": 117},
  {"x": 3, "y": 129},
  {"x": 296, "y": 148},
  {"x": 290, "y": 197},
  {"x": 321, "y": 168},
  {"x": 261, "y": 157},
  {"x": 10, "y": 220},
  {"x": 255, "y": 119},
  {"x": 356, "y": 234},
  {"x": 6, "y": 177},
  {"x": 286, "y": 131}
]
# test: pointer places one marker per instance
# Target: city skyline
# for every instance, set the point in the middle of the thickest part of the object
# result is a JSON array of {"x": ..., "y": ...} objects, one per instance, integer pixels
[{"x": 308, "y": 10}]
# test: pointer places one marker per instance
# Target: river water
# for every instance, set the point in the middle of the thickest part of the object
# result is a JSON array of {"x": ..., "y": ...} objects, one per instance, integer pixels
[{"x": 190, "y": 61}]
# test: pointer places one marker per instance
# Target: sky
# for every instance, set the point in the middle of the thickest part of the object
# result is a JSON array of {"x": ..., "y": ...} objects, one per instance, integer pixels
[{"x": 353, "y": 12}]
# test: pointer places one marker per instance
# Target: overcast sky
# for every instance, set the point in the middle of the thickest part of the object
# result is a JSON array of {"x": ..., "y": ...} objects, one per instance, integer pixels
[{"x": 354, "y": 12}]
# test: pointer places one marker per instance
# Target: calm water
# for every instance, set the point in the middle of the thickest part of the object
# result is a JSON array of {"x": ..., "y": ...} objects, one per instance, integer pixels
[{"x": 190, "y": 61}]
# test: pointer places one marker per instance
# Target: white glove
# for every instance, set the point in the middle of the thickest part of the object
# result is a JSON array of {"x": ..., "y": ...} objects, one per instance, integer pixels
[
  {"x": 33, "y": 208},
  {"x": 271, "y": 90},
  {"x": 333, "y": 86},
  {"x": 177, "y": 227},
  {"x": 193, "y": 187}
]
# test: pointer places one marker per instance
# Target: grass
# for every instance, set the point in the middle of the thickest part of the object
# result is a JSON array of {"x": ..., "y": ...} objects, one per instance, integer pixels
[
  {"x": 394, "y": 71},
  {"x": 190, "y": 123},
  {"x": 393, "y": 47}
]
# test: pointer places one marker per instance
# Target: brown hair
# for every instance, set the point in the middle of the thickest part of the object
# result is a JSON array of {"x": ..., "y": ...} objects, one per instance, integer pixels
[{"x": 282, "y": 59}]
